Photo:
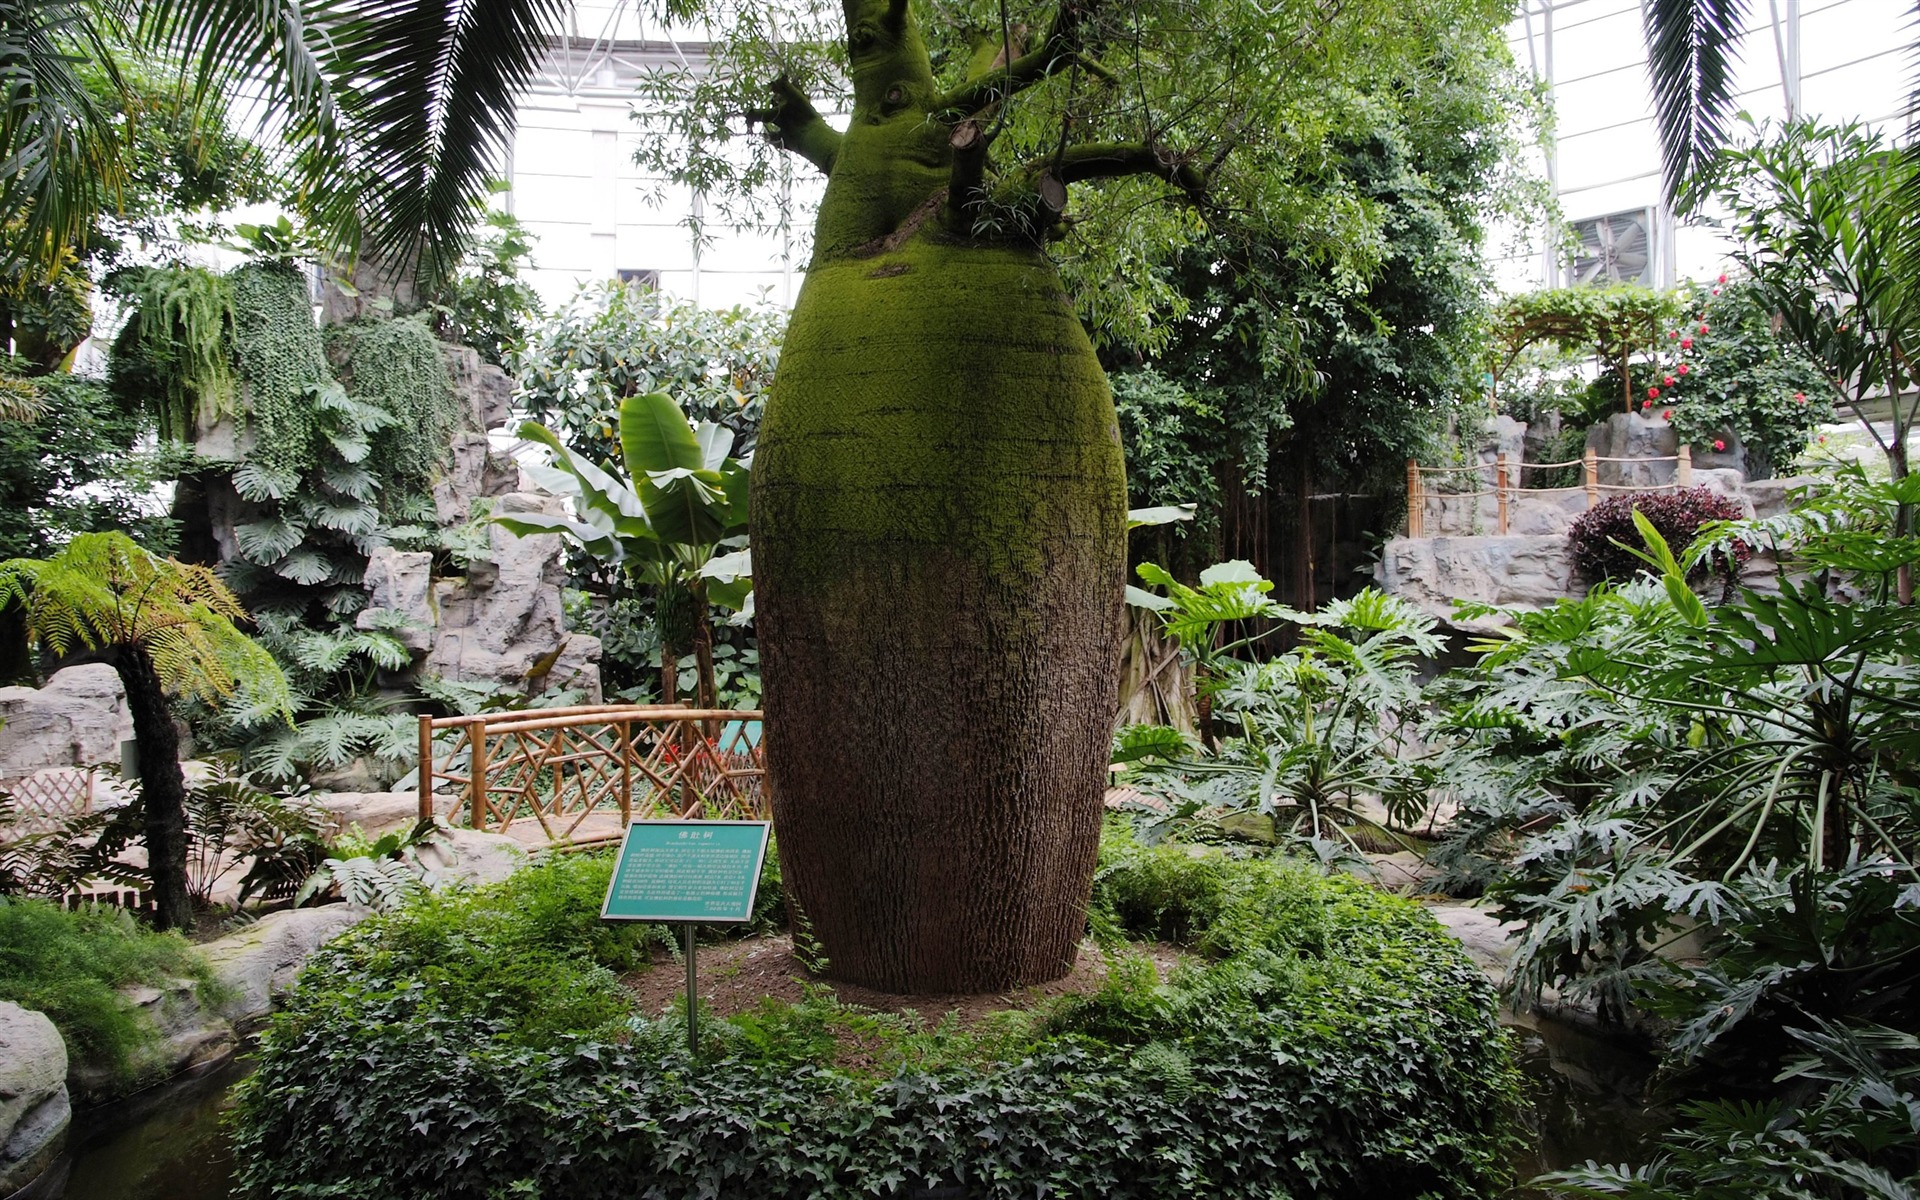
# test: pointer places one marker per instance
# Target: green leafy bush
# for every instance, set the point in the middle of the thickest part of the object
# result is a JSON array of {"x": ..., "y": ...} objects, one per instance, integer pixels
[
  {"x": 69, "y": 965},
  {"x": 1331, "y": 1042}
]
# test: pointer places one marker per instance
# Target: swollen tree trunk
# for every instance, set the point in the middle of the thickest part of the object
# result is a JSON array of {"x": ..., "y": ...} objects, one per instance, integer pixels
[
  {"x": 938, "y": 531},
  {"x": 163, "y": 788}
]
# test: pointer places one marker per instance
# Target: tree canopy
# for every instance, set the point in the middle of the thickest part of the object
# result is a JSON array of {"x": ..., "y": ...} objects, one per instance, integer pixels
[{"x": 1122, "y": 133}]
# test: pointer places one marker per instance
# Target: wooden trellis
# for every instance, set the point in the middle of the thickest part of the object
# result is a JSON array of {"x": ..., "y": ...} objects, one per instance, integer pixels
[
  {"x": 576, "y": 776},
  {"x": 47, "y": 799}
]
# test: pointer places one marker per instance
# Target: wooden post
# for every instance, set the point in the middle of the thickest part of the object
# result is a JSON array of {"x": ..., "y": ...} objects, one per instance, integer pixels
[
  {"x": 424, "y": 776},
  {"x": 1592, "y": 462},
  {"x": 1683, "y": 469},
  {"x": 626, "y": 773},
  {"x": 477, "y": 767},
  {"x": 1500, "y": 488},
  {"x": 1416, "y": 504}
]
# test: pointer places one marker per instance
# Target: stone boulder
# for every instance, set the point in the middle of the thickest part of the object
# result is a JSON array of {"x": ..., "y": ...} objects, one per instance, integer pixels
[
  {"x": 472, "y": 857},
  {"x": 506, "y": 626},
  {"x": 1515, "y": 571},
  {"x": 475, "y": 471},
  {"x": 1633, "y": 437},
  {"x": 1732, "y": 458},
  {"x": 1502, "y": 435},
  {"x": 1770, "y": 497},
  {"x": 34, "y": 1107},
  {"x": 260, "y": 962},
  {"x": 78, "y": 720},
  {"x": 190, "y": 1036},
  {"x": 485, "y": 391},
  {"x": 1488, "y": 941},
  {"x": 374, "y": 812},
  {"x": 400, "y": 581}
]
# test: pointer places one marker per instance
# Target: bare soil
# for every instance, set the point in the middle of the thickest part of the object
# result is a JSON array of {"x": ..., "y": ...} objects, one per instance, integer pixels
[{"x": 736, "y": 976}]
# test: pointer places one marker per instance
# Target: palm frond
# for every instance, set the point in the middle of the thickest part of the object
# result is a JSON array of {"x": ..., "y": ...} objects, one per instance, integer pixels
[
  {"x": 1692, "y": 49},
  {"x": 60, "y": 153},
  {"x": 426, "y": 109}
]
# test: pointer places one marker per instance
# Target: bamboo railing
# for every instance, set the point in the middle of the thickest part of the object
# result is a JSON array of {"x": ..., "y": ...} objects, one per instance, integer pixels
[
  {"x": 577, "y": 776},
  {"x": 1506, "y": 485}
]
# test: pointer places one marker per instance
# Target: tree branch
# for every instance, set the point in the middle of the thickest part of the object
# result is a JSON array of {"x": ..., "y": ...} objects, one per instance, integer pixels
[
  {"x": 967, "y": 183},
  {"x": 794, "y": 124},
  {"x": 1056, "y": 52},
  {"x": 1111, "y": 160}
]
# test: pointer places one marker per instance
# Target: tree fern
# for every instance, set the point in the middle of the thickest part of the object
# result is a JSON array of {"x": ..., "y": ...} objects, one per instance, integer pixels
[{"x": 103, "y": 591}]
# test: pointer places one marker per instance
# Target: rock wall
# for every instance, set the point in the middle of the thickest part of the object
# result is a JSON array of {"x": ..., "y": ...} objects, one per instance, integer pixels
[
  {"x": 78, "y": 720},
  {"x": 34, "y": 1106}
]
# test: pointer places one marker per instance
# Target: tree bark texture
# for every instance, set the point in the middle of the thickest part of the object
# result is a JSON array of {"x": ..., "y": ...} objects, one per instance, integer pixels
[
  {"x": 939, "y": 550},
  {"x": 163, "y": 788}
]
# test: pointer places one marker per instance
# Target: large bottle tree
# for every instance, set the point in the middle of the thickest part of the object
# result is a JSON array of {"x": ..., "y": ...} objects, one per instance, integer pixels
[{"x": 939, "y": 503}]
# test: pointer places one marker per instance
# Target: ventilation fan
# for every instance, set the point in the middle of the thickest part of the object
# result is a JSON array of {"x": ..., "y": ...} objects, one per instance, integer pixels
[{"x": 1617, "y": 248}]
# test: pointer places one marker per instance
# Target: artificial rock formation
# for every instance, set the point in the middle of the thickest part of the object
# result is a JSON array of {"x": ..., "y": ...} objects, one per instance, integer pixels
[
  {"x": 78, "y": 720},
  {"x": 34, "y": 1106}
]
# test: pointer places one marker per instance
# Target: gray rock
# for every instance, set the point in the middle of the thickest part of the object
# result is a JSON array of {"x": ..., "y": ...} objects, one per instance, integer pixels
[
  {"x": 1402, "y": 871},
  {"x": 470, "y": 856},
  {"x": 1732, "y": 458},
  {"x": 78, "y": 720},
  {"x": 190, "y": 1035},
  {"x": 374, "y": 812},
  {"x": 507, "y": 626},
  {"x": 1490, "y": 942},
  {"x": 475, "y": 470},
  {"x": 357, "y": 775},
  {"x": 1632, "y": 437},
  {"x": 34, "y": 1107},
  {"x": 400, "y": 581},
  {"x": 1503, "y": 435},
  {"x": 1770, "y": 497},
  {"x": 258, "y": 963},
  {"x": 485, "y": 391},
  {"x": 1516, "y": 571},
  {"x": 1534, "y": 514}
]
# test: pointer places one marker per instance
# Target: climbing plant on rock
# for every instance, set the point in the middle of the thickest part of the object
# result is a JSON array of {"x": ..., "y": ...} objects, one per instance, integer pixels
[
  {"x": 394, "y": 365},
  {"x": 277, "y": 347},
  {"x": 174, "y": 356}
]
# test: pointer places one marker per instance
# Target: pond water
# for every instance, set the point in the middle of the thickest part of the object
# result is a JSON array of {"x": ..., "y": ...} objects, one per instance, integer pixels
[{"x": 168, "y": 1143}]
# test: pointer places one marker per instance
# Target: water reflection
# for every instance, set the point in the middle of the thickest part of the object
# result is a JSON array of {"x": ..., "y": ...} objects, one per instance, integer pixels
[
  {"x": 1587, "y": 1094},
  {"x": 167, "y": 1144}
]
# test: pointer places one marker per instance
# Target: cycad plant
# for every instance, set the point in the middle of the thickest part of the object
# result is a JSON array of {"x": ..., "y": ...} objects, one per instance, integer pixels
[{"x": 164, "y": 626}]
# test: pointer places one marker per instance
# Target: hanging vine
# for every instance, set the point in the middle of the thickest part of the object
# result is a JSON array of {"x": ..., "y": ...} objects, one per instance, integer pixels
[
  {"x": 281, "y": 361},
  {"x": 395, "y": 365},
  {"x": 174, "y": 357}
]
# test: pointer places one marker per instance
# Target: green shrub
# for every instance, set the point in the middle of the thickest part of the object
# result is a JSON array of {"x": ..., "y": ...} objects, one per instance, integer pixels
[
  {"x": 1329, "y": 1042},
  {"x": 68, "y": 965}
]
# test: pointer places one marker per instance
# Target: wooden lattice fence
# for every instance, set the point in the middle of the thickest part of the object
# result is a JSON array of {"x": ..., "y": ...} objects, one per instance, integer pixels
[{"x": 577, "y": 776}]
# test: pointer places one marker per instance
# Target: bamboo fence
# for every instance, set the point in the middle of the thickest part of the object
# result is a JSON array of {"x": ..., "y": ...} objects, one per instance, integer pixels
[
  {"x": 1506, "y": 486},
  {"x": 581, "y": 774}
]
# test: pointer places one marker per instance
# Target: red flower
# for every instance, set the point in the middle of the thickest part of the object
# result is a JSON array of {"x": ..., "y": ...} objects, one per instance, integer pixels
[
  {"x": 1716, "y": 291},
  {"x": 1799, "y": 397},
  {"x": 1682, "y": 368},
  {"x": 1723, "y": 279},
  {"x": 1645, "y": 405},
  {"x": 1666, "y": 414},
  {"x": 1718, "y": 444},
  {"x": 1653, "y": 393},
  {"x": 1703, "y": 327},
  {"x": 1672, "y": 333},
  {"x": 1686, "y": 343}
]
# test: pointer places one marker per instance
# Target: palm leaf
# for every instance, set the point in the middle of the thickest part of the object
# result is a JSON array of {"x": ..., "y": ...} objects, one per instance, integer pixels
[
  {"x": 425, "y": 93},
  {"x": 1692, "y": 47}
]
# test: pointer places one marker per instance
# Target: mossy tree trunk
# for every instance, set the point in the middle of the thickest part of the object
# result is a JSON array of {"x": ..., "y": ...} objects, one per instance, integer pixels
[
  {"x": 163, "y": 788},
  {"x": 939, "y": 538}
]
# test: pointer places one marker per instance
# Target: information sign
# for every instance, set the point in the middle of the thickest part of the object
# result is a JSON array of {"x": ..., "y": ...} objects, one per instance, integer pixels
[{"x": 693, "y": 871}]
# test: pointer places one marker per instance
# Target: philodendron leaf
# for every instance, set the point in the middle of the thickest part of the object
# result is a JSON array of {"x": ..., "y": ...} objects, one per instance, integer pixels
[
  {"x": 1238, "y": 570},
  {"x": 728, "y": 567},
  {"x": 1164, "y": 514},
  {"x": 1141, "y": 598}
]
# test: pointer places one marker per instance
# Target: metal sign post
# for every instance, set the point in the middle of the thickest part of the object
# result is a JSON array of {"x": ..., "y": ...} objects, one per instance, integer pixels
[{"x": 687, "y": 872}]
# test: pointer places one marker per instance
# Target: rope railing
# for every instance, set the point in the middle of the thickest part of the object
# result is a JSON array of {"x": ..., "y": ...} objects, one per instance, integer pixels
[
  {"x": 1507, "y": 476},
  {"x": 577, "y": 776}
]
